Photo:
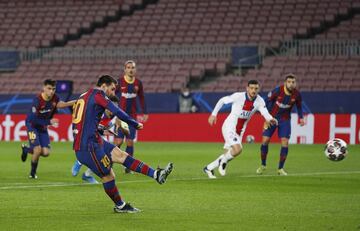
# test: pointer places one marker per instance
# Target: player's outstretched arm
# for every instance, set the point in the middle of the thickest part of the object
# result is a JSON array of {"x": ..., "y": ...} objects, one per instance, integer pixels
[
  {"x": 116, "y": 111},
  {"x": 123, "y": 116},
  {"x": 63, "y": 104},
  {"x": 300, "y": 110},
  {"x": 222, "y": 101}
]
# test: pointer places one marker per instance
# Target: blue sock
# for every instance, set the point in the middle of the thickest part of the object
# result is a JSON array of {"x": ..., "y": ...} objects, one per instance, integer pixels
[
  {"x": 283, "y": 154},
  {"x": 264, "y": 151},
  {"x": 113, "y": 192},
  {"x": 130, "y": 150},
  {"x": 138, "y": 166}
]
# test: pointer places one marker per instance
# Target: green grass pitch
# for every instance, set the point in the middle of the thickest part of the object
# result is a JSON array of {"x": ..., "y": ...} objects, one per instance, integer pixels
[{"x": 316, "y": 195}]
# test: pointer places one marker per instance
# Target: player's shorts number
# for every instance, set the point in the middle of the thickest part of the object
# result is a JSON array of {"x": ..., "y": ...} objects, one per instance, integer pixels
[
  {"x": 32, "y": 135},
  {"x": 78, "y": 110},
  {"x": 105, "y": 161}
]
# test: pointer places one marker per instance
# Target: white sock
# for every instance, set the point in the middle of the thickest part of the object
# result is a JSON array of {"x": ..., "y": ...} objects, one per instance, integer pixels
[
  {"x": 215, "y": 163},
  {"x": 88, "y": 172},
  {"x": 228, "y": 156}
]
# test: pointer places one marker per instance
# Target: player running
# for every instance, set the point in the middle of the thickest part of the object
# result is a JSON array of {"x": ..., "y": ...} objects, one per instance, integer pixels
[
  {"x": 99, "y": 155},
  {"x": 244, "y": 105},
  {"x": 43, "y": 108},
  {"x": 130, "y": 89},
  {"x": 280, "y": 102}
]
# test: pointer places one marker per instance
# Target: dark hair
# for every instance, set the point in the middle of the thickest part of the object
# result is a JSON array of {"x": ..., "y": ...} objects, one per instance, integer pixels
[
  {"x": 253, "y": 81},
  {"x": 114, "y": 99},
  {"x": 107, "y": 79},
  {"x": 290, "y": 76},
  {"x": 49, "y": 82}
]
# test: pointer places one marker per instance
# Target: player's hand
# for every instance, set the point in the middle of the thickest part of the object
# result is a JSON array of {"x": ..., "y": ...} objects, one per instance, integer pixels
[
  {"x": 140, "y": 126},
  {"x": 54, "y": 122},
  {"x": 212, "y": 120},
  {"x": 274, "y": 121},
  {"x": 142, "y": 118},
  {"x": 302, "y": 122},
  {"x": 145, "y": 118}
]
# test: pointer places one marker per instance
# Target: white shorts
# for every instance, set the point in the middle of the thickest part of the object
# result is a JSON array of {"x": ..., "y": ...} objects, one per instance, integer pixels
[{"x": 230, "y": 136}]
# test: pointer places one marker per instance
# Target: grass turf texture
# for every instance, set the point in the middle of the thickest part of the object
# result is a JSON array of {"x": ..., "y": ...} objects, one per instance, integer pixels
[{"x": 317, "y": 195}]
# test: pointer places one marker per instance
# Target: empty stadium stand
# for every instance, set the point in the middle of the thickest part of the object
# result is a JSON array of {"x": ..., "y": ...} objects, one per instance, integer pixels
[
  {"x": 315, "y": 73},
  {"x": 114, "y": 23}
]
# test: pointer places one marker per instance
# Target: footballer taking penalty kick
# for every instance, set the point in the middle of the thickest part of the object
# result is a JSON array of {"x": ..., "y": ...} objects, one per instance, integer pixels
[{"x": 98, "y": 154}]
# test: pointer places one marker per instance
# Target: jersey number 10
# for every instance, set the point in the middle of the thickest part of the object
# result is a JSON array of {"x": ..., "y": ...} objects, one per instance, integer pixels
[{"x": 78, "y": 110}]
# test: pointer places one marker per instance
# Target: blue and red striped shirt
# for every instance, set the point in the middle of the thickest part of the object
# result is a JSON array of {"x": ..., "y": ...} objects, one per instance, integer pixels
[
  {"x": 128, "y": 94},
  {"x": 42, "y": 111},
  {"x": 87, "y": 113},
  {"x": 280, "y": 103}
]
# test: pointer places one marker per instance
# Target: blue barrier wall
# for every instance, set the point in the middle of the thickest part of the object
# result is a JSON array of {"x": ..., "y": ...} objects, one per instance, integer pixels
[{"x": 315, "y": 102}]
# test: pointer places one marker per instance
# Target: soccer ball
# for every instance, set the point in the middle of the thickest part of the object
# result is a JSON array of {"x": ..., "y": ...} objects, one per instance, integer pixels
[
  {"x": 336, "y": 149},
  {"x": 250, "y": 139}
]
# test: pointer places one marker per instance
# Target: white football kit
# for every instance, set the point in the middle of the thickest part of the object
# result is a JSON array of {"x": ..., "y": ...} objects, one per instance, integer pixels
[{"x": 241, "y": 111}]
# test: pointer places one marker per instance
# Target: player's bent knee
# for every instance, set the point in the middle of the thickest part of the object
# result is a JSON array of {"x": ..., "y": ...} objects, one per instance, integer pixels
[
  {"x": 118, "y": 156},
  {"x": 265, "y": 140},
  {"x": 284, "y": 142},
  {"x": 37, "y": 150},
  {"x": 236, "y": 150},
  {"x": 107, "y": 178},
  {"x": 45, "y": 154}
]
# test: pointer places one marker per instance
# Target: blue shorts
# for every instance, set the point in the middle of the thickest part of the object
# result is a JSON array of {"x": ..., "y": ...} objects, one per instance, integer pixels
[
  {"x": 38, "y": 137},
  {"x": 131, "y": 136},
  {"x": 97, "y": 157},
  {"x": 284, "y": 129}
]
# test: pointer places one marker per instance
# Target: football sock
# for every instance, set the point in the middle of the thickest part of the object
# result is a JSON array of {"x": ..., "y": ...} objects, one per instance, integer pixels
[
  {"x": 88, "y": 172},
  {"x": 283, "y": 155},
  {"x": 138, "y": 166},
  {"x": 26, "y": 149},
  {"x": 228, "y": 156},
  {"x": 264, "y": 151},
  {"x": 215, "y": 163},
  {"x": 130, "y": 150},
  {"x": 33, "y": 168},
  {"x": 113, "y": 192}
]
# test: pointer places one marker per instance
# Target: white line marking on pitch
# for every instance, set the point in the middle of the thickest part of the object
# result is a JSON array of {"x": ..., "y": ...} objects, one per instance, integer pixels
[{"x": 65, "y": 184}]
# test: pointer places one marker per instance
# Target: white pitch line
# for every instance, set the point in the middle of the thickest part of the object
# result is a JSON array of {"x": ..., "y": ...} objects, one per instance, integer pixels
[{"x": 64, "y": 184}]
